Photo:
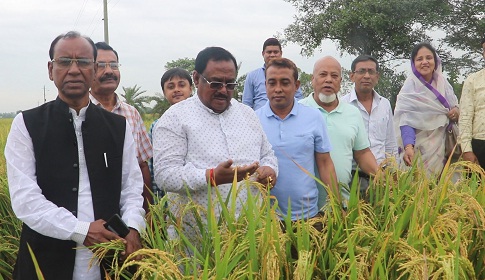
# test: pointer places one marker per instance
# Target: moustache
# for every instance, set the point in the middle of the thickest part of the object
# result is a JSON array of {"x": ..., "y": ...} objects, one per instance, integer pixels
[
  {"x": 108, "y": 77},
  {"x": 221, "y": 95}
]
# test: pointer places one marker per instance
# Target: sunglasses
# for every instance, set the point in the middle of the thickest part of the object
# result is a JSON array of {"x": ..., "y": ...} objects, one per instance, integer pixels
[{"x": 220, "y": 85}]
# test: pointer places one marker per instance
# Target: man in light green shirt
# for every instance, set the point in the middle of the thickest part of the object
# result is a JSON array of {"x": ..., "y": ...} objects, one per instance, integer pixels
[{"x": 344, "y": 123}]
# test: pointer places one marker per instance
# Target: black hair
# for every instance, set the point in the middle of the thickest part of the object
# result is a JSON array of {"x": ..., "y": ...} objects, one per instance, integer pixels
[
  {"x": 215, "y": 54},
  {"x": 362, "y": 58},
  {"x": 175, "y": 72},
  {"x": 106, "y": 47},
  {"x": 71, "y": 35},
  {"x": 283, "y": 63},
  {"x": 271, "y": 42},
  {"x": 427, "y": 45}
]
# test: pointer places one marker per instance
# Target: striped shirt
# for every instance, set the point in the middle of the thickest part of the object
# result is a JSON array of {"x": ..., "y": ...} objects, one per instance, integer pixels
[{"x": 140, "y": 135}]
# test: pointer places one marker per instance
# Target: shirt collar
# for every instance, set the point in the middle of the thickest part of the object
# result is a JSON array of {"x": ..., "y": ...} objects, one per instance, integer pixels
[
  {"x": 353, "y": 95},
  {"x": 376, "y": 98},
  {"x": 82, "y": 112},
  {"x": 269, "y": 113},
  {"x": 314, "y": 104},
  {"x": 97, "y": 103}
]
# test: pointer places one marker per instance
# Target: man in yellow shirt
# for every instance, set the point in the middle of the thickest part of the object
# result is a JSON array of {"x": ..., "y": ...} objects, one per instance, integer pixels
[{"x": 472, "y": 117}]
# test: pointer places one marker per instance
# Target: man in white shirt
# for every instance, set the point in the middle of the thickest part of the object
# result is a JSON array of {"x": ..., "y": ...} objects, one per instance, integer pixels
[
  {"x": 207, "y": 138},
  {"x": 71, "y": 166},
  {"x": 375, "y": 110}
]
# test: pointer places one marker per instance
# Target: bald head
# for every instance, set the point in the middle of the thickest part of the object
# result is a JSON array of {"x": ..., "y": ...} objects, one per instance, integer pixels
[
  {"x": 327, "y": 76},
  {"x": 328, "y": 61}
]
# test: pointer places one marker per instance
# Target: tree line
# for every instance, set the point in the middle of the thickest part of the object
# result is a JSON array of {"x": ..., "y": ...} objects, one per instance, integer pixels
[
  {"x": 388, "y": 30},
  {"x": 385, "y": 29}
]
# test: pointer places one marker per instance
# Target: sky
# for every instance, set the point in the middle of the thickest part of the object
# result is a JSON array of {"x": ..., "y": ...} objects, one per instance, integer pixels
[{"x": 146, "y": 33}]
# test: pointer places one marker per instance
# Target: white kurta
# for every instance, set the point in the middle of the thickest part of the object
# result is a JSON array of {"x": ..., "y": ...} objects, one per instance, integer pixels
[{"x": 190, "y": 138}]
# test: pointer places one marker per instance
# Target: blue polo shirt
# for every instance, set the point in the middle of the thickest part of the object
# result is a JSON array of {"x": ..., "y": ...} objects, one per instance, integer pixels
[{"x": 295, "y": 140}]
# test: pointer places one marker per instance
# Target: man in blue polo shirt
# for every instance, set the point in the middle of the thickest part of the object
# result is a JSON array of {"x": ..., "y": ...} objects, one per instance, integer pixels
[
  {"x": 254, "y": 93},
  {"x": 299, "y": 138}
]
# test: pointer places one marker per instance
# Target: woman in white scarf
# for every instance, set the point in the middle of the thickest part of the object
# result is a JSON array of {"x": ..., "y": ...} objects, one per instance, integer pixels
[{"x": 424, "y": 107}]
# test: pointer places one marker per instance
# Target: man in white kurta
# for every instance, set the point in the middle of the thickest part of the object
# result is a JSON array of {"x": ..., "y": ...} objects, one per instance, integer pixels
[
  {"x": 63, "y": 203},
  {"x": 202, "y": 139}
]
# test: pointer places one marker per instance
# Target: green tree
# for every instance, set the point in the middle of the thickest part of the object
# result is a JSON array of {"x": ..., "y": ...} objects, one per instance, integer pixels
[
  {"x": 388, "y": 29},
  {"x": 161, "y": 104},
  {"x": 390, "y": 83},
  {"x": 465, "y": 25},
  {"x": 305, "y": 83},
  {"x": 133, "y": 97},
  {"x": 238, "y": 92},
  {"x": 184, "y": 63}
]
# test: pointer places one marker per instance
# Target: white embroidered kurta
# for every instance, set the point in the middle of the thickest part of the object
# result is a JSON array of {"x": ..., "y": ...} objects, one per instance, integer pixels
[{"x": 190, "y": 138}]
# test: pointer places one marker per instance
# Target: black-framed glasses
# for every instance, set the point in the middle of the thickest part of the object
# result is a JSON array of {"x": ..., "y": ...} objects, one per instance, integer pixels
[
  {"x": 362, "y": 71},
  {"x": 65, "y": 62},
  {"x": 219, "y": 85},
  {"x": 115, "y": 66}
]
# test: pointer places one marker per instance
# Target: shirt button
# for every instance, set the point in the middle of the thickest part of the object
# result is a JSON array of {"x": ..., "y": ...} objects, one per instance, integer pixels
[
  {"x": 75, "y": 165},
  {"x": 74, "y": 189}
]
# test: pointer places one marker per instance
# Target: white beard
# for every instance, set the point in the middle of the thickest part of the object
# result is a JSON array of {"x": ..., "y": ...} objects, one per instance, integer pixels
[{"x": 327, "y": 99}]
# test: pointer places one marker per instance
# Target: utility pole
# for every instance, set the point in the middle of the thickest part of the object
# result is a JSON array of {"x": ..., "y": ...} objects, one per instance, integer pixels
[{"x": 106, "y": 37}]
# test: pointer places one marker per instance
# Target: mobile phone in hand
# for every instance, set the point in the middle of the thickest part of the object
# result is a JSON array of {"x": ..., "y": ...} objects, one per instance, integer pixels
[{"x": 115, "y": 224}]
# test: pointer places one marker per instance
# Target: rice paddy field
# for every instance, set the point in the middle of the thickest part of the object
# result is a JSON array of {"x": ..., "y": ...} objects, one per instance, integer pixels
[{"x": 408, "y": 226}]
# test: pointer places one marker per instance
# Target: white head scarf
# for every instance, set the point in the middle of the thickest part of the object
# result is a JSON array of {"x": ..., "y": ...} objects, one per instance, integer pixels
[{"x": 418, "y": 107}]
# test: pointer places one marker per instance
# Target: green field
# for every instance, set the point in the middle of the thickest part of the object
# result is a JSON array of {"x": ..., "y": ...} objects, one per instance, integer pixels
[
  {"x": 4, "y": 129},
  {"x": 410, "y": 227}
]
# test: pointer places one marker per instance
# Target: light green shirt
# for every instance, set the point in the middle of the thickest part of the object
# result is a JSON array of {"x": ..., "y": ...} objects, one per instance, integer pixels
[{"x": 347, "y": 134}]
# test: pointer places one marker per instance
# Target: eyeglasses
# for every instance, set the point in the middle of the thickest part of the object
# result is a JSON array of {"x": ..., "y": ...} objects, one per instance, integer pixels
[
  {"x": 362, "y": 71},
  {"x": 219, "y": 85},
  {"x": 65, "y": 62},
  {"x": 115, "y": 66}
]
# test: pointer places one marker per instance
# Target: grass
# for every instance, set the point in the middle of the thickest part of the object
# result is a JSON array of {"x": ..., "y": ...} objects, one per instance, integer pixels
[
  {"x": 9, "y": 225},
  {"x": 410, "y": 227}
]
